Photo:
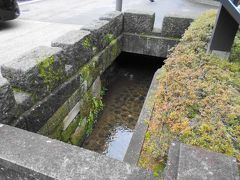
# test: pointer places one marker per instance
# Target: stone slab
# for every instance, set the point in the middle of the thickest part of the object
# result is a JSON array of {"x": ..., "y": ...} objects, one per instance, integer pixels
[
  {"x": 175, "y": 26},
  {"x": 24, "y": 101},
  {"x": 56, "y": 119},
  {"x": 134, "y": 149},
  {"x": 39, "y": 157},
  {"x": 136, "y": 21},
  {"x": 71, "y": 116},
  {"x": 115, "y": 19},
  {"x": 148, "y": 44},
  {"x": 36, "y": 71},
  {"x": 99, "y": 63},
  {"x": 7, "y": 102},
  {"x": 104, "y": 31},
  {"x": 77, "y": 47},
  {"x": 187, "y": 162},
  {"x": 34, "y": 119}
]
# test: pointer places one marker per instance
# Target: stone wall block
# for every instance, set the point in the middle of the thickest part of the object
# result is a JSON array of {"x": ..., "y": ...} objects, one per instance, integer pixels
[
  {"x": 39, "y": 71},
  {"x": 37, "y": 116},
  {"x": 7, "y": 102},
  {"x": 136, "y": 21},
  {"x": 104, "y": 31},
  {"x": 189, "y": 162},
  {"x": 24, "y": 101},
  {"x": 148, "y": 45},
  {"x": 32, "y": 156},
  {"x": 115, "y": 19},
  {"x": 175, "y": 26},
  {"x": 77, "y": 47},
  {"x": 107, "y": 57}
]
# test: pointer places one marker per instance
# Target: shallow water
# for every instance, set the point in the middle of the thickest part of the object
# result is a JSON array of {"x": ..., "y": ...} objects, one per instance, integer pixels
[{"x": 123, "y": 101}]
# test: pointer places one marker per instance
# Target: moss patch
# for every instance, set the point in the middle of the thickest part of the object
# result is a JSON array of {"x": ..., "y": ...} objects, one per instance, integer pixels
[
  {"x": 197, "y": 101},
  {"x": 51, "y": 72}
]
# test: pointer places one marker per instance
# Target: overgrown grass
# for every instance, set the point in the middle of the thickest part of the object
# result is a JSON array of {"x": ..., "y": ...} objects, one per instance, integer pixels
[{"x": 198, "y": 100}]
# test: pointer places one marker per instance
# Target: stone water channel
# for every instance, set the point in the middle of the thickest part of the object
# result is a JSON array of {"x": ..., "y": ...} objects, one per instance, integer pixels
[{"x": 127, "y": 82}]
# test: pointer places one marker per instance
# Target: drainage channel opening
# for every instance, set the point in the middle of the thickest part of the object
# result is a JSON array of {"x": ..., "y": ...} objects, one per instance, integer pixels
[{"x": 126, "y": 82}]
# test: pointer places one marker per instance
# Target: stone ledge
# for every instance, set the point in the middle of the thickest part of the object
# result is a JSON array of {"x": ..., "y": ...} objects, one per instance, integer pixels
[
  {"x": 175, "y": 26},
  {"x": 188, "y": 162},
  {"x": 7, "y": 102},
  {"x": 72, "y": 44},
  {"x": 104, "y": 31},
  {"x": 31, "y": 155},
  {"x": 36, "y": 71},
  {"x": 136, "y": 21},
  {"x": 148, "y": 44},
  {"x": 134, "y": 150}
]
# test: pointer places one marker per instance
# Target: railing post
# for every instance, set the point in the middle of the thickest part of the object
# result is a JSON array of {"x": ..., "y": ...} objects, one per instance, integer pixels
[
  {"x": 224, "y": 33},
  {"x": 119, "y": 5}
]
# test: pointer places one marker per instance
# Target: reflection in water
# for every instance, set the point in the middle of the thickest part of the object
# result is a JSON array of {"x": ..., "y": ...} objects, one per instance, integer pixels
[{"x": 122, "y": 105}]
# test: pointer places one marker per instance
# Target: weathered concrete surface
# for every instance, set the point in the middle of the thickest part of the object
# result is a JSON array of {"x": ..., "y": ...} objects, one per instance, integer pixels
[
  {"x": 115, "y": 19},
  {"x": 23, "y": 100},
  {"x": 33, "y": 119},
  {"x": 38, "y": 71},
  {"x": 187, "y": 162},
  {"x": 104, "y": 31},
  {"x": 53, "y": 122},
  {"x": 31, "y": 155},
  {"x": 77, "y": 47},
  {"x": 136, "y": 21},
  {"x": 134, "y": 149},
  {"x": 99, "y": 63},
  {"x": 7, "y": 102},
  {"x": 175, "y": 26},
  {"x": 148, "y": 44}
]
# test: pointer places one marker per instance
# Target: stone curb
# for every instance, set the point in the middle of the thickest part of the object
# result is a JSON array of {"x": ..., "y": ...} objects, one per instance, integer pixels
[
  {"x": 134, "y": 150},
  {"x": 26, "y": 155}
]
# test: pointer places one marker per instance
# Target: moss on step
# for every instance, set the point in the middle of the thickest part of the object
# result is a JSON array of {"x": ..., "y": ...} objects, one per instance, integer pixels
[{"x": 51, "y": 72}]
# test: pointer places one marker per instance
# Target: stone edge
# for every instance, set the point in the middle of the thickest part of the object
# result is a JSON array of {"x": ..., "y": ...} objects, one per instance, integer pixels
[{"x": 134, "y": 149}]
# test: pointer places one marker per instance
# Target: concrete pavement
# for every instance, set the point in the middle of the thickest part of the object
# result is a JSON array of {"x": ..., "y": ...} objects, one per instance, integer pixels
[{"x": 41, "y": 21}]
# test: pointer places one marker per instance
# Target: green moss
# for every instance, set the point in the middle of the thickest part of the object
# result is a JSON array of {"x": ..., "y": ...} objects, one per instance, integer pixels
[
  {"x": 97, "y": 106},
  {"x": 109, "y": 38},
  {"x": 65, "y": 135},
  {"x": 197, "y": 99},
  {"x": 192, "y": 110},
  {"x": 87, "y": 71},
  {"x": 115, "y": 48},
  {"x": 17, "y": 90},
  {"x": 83, "y": 125},
  {"x": 50, "y": 74},
  {"x": 87, "y": 43}
]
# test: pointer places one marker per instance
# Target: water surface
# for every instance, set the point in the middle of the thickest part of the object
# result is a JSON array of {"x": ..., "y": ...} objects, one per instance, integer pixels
[{"x": 126, "y": 92}]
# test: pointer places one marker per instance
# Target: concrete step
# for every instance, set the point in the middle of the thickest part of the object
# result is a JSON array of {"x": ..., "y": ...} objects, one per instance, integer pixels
[{"x": 187, "y": 162}]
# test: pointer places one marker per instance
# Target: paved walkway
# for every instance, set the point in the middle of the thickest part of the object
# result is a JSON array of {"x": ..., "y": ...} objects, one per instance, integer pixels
[{"x": 41, "y": 21}]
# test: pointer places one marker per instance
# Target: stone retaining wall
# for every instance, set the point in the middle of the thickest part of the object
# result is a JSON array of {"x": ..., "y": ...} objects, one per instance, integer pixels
[
  {"x": 56, "y": 92},
  {"x": 50, "y": 90}
]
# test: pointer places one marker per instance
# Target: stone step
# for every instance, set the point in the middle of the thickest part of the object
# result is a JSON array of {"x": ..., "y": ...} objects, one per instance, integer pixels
[{"x": 188, "y": 162}]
